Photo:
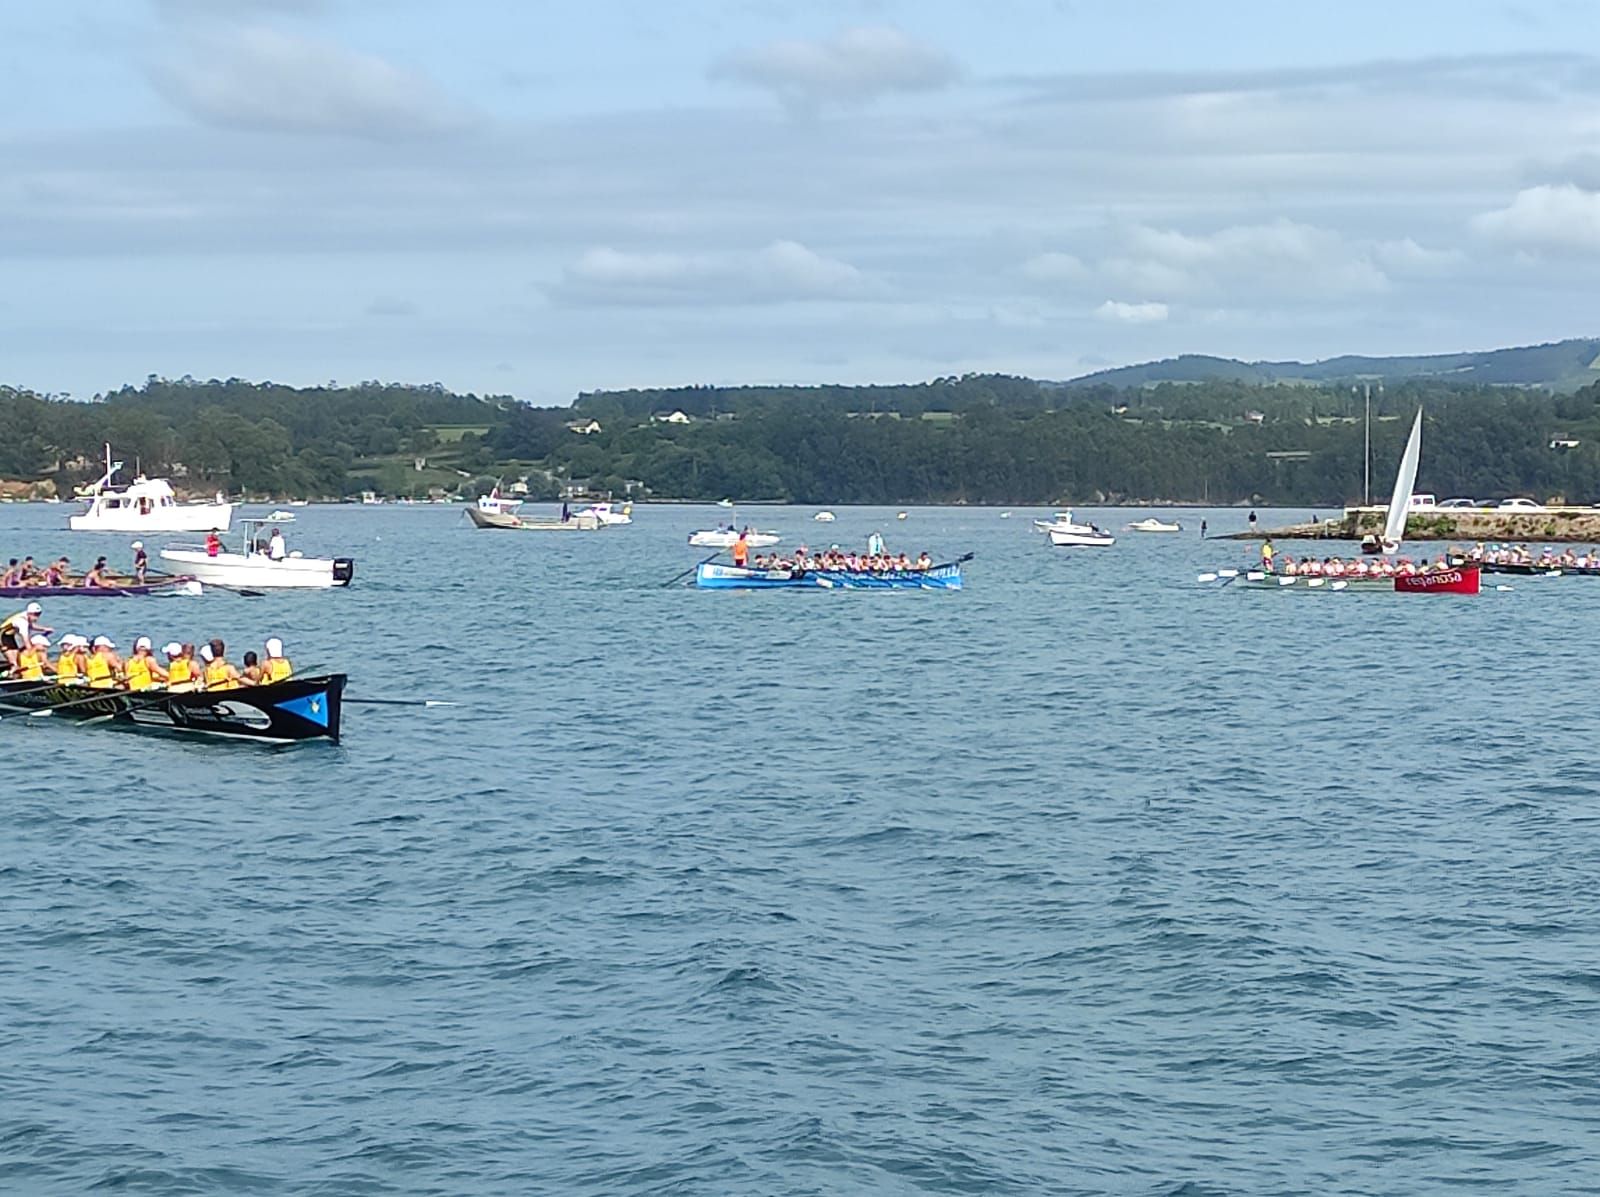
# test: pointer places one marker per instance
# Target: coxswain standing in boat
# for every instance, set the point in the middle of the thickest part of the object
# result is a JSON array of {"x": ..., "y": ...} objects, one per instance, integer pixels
[
  {"x": 18, "y": 632},
  {"x": 141, "y": 562},
  {"x": 104, "y": 667},
  {"x": 219, "y": 674},
  {"x": 741, "y": 550},
  {"x": 142, "y": 670},
  {"x": 1267, "y": 552}
]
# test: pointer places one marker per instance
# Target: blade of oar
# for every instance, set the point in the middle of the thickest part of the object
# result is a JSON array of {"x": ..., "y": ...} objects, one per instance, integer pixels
[
  {"x": 1227, "y": 573},
  {"x": 691, "y": 569},
  {"x": 1206, "y": 578},
  {"x": 402, "y": 702}
]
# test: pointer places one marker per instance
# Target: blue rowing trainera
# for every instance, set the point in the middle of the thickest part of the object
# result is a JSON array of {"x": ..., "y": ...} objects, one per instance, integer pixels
[{"x": 737, "y": 577}]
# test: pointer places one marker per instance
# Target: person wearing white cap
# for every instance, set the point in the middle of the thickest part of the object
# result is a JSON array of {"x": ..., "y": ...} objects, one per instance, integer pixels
[
  {"x": 142, "y": 669},
  {"x": 141, "y": 561},
  {"x": 104, "y": 667},
  {"x": 182, "y": 673},
  {"x": 33, "y": 662},
  {"x": 74, "y": 660},
  {"x": 276, "y": 667},
  {"x": 18, "y": 631}
]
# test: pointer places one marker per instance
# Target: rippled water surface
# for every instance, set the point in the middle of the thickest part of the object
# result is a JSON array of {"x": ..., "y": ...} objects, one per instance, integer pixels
[{"x": 1084, "y": 880}]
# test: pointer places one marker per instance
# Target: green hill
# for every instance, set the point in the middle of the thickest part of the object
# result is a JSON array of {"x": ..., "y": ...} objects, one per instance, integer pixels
[{"x": 1561, "y": 366}]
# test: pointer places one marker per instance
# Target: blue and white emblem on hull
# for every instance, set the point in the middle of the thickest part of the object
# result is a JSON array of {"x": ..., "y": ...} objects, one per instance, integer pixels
[{"x": 311, "y": 707}]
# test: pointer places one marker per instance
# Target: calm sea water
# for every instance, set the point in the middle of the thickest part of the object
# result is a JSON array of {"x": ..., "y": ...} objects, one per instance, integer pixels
[{"x": 1085, "y": 880}]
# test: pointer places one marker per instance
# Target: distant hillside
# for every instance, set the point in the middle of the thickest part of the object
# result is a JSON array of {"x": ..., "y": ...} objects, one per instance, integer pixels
[{"x": 1561, "y": 366}]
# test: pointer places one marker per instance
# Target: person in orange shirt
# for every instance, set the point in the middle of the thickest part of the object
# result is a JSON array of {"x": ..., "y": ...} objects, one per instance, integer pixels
[{"x": 741, "y": 551}]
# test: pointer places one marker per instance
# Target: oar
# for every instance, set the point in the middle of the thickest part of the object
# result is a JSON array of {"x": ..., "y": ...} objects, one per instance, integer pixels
[
  {"x": 95, "y": 696},
  {"x": 691, "y": 569},
  {"x": 403, "y": 702}
]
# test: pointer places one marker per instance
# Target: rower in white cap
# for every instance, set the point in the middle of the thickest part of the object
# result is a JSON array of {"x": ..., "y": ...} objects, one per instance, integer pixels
[
  {"x": 33, "y": 662},
  {"x": 104, "y": 667},
  {"x": 181, "y": 670},
  {"x": 74, "y": 660},
  {"x": 276, "y": 667},
  {"x": 143, "y": 670}
]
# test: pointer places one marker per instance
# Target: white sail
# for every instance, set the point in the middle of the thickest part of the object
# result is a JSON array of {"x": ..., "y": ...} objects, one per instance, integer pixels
[{"x": 1394, "y": 527}]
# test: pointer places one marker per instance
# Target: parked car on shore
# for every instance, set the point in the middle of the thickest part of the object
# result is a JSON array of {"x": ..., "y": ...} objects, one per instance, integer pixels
[
  {"x": 1459, "y": 503},
  {"x": 1519, "y": 504}
]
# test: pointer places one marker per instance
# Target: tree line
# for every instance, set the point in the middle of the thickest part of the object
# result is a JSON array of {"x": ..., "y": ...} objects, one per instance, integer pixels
[{"x": 977, "y": 439}]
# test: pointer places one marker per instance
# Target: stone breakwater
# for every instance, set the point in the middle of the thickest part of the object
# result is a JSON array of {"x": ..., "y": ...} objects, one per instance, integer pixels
[{"x": 1576, "y": 525}]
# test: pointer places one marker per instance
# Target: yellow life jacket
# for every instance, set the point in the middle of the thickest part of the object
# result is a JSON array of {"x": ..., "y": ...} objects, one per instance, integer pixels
[
  {"x": 217, "y": 676},
  {"x": 276, "y": 669},
  {"x": 31, "y": 661},
  {"x": 98, "y": 671},
  {"x": 180, "y": 672},
  {"x": 67, "y": 667},
  {"x": 138, "y": 671}
]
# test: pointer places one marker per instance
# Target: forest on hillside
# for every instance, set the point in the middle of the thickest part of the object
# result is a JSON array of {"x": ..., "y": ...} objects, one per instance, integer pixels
[{"x": 978, "y": 439}]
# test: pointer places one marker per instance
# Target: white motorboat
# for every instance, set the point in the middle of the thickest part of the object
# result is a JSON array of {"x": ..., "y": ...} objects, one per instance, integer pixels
[
  {"x": 1154, "y": 525},
  {"x": 1066, "y": 532},
  {"x": 724, "y": 502},
  {"x": 280, "y": 517},
  {"x": 145, "y": 505},
  {"x": 824, "y": 517},
  {"x": 255, "y": 567},
  {"x": 494, "y": 503},
  {"x": 609, "y": 514},
  {"x": 726, "y": 538}
]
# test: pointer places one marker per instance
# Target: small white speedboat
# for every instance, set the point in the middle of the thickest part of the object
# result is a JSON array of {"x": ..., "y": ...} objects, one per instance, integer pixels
[
  {"x": 1154, "y": 525},
  {"x": 254, "y": 567},
  {"x": 1066, "y": 532},
  {"x": 724, "y": 502},
  {"x": 726, "y": 538},
  {"x": 823, "y": 517},
  {"x": 280, "y": 517}
]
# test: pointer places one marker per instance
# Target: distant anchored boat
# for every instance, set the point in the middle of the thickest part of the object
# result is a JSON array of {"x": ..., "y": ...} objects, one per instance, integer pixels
[
  {"x": 145, "y": 505},
  {"x": 1154, "y": 525}
]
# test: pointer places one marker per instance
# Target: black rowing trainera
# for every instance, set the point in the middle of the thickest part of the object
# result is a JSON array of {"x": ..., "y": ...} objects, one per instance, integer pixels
[{"x": 302, "y": 708}]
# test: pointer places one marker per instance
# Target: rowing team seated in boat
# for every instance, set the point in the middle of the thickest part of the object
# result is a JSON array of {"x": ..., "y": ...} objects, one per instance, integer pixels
[
  {"x": 1520, "y": 554},
  {"x": 839, "y": 562},
  {"x": 59, "y": 573},
  {"x": 95, "y": 664},
  {"x": 1334, "y": 567}
]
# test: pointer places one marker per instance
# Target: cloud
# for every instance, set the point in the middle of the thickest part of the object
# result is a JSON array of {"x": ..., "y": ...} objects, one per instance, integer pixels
[
  {"x": 265, "y": 79},
  {"x": 1131, "y": 313},
  {"x": 1551, "y": 218},
  {"x": 1055, "y": 268},
  {"x": 852, "y": 67},
  {"x": 783, "y": 271},
  {"x": 1406, "y": 257},
  {"x": 1282, "y": 257}
]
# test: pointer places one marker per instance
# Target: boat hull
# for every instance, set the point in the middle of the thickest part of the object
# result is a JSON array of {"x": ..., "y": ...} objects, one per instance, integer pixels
[
  {"x": 579, "y": 522},
  {"x": 1461, "y": 580},
  {"x": 259, "y": 572},
  {"x": 179, "y": 585},
  {"x": 192, "y": 517},
  {"x": 1063, "y": 538},
  {"x": 735, "y": 577},
  {"x": 306, "y": 708}
]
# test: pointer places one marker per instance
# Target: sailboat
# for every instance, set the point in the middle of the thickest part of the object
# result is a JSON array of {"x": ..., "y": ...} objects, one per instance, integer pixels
[{"x": 1405, "y": 481}]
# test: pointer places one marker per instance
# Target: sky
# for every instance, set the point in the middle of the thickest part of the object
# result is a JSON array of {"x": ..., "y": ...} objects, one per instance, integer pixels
[{"x": 539, "y": 197}]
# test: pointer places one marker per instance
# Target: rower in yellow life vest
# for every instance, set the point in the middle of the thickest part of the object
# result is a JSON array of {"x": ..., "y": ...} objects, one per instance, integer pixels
[
  {"x": 219, "y": 675},
  {"x": 33, "y": 662},
  {"x": 181, "y": 672},
  {"x": 142, "y": 669},
  {"x": 104, "y": 667},
  {"x": 276, "y": 667},
  {"x": 74, "y": 658}
]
